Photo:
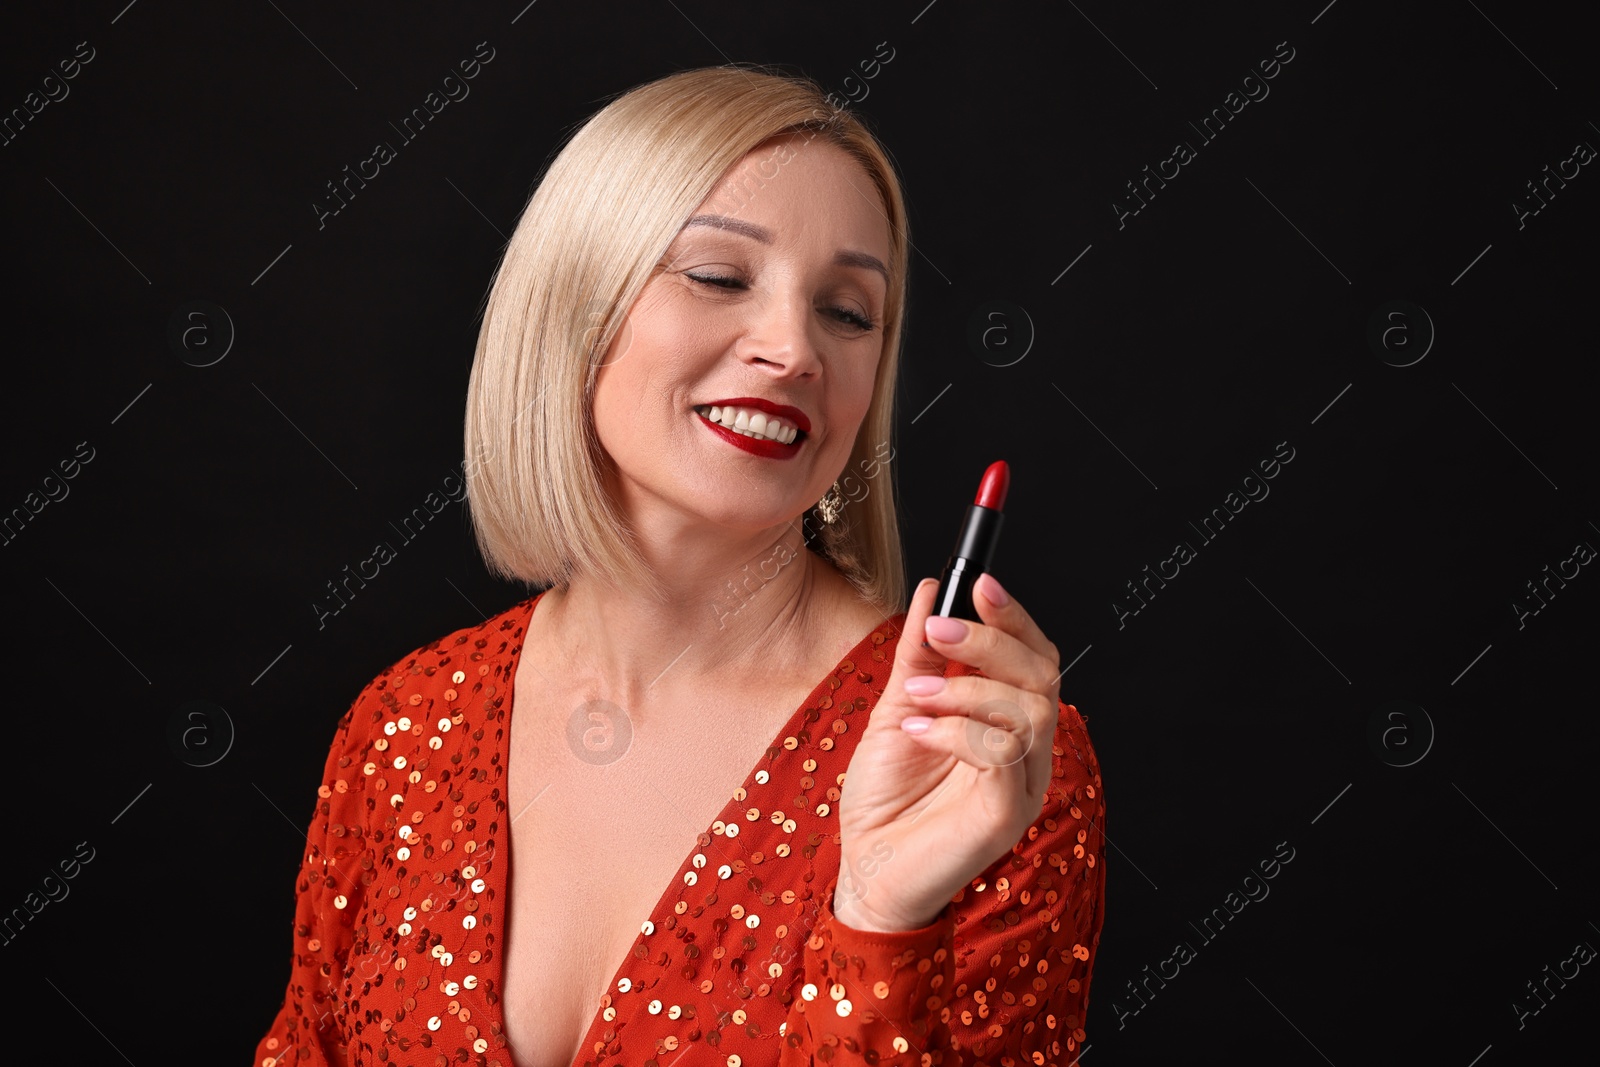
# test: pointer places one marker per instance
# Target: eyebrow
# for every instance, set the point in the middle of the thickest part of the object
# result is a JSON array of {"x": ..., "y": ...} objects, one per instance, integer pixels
[{"x": 764, "y": 235}]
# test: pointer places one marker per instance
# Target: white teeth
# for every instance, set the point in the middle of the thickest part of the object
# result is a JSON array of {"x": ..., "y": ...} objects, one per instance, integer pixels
[{"x": 751, "y": 423}]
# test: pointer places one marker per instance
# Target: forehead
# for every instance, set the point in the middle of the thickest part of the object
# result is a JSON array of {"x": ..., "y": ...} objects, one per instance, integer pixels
[{"x": 797, "y": 189}]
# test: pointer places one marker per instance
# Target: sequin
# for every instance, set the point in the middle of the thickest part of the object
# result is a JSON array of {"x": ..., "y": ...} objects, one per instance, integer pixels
[{"x": 404, "y": 874}]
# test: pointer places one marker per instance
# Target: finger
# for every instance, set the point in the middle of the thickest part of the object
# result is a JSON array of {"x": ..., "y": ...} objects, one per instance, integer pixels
[
  {"x": 996, "y": 648},
  {"x": 995, "y": 653},
  {"x": 911, "y": 655},
  {"x": 974, "y": 707},
  {"x": 996, "y": 607},
  {"x": 988, "y": 734}
]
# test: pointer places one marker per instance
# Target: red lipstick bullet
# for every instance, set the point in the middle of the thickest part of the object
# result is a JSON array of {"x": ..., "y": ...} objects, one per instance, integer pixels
[{"x": 974, "y": 551}]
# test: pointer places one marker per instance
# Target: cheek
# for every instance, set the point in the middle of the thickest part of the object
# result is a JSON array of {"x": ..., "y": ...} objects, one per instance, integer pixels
[
  {"x": 642, "y": 392},
  {"x": 669, "y": 324},
  {"x": 860, "y": 391},
  {"x": 669, "y": 343},
  {"x": 849, "y": 412},
  {"x": 864, "y": 393},
  {"x": 627, "y": 429}
]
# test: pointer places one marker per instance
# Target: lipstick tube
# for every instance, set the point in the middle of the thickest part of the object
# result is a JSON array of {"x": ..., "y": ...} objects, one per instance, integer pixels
[{"x": 974, "y": 551}]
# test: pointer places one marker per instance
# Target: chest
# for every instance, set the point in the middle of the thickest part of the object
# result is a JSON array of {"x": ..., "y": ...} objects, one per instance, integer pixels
[{"x": 604, "y": 813}]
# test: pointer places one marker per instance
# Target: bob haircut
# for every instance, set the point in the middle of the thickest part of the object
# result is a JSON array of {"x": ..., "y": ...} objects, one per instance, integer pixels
[{"x": 591, "y": 236}]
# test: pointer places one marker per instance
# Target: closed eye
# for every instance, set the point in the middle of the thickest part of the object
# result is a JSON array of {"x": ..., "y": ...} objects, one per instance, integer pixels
[
  {"x": 847, "y": 315},
  {"x": 717, "y": 280}
]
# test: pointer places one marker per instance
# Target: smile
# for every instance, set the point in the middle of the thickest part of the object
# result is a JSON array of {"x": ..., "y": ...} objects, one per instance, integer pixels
[
  {"x": 772, "y": 437},
  {"x": 751, "y": 422}
]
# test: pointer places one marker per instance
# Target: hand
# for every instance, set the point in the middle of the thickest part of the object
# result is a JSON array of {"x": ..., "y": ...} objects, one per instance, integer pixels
[{"x": 921, "y": 815}]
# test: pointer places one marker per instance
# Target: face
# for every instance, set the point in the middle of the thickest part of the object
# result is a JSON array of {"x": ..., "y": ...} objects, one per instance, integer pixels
[{"x": 768, "y": 297}]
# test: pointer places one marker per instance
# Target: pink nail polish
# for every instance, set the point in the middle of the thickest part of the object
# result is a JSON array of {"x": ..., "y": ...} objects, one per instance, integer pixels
[
  {"x": 945, "y": 629},
  {"x": 992, "y": 591}
]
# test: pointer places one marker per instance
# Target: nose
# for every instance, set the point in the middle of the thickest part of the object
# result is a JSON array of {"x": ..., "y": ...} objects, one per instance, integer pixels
[{"x": 778, "y": 337}]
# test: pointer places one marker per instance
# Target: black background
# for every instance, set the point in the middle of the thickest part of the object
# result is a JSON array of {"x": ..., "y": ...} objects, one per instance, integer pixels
[{"x": 1230, "y": 714}]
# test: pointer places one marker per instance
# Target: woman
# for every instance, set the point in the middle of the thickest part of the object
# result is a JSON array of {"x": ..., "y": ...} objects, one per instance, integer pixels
[{"x": 691, "y": 342}]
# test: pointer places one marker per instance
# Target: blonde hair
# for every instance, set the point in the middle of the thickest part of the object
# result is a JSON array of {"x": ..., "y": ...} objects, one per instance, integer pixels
[{"x": 606, "y": 209}]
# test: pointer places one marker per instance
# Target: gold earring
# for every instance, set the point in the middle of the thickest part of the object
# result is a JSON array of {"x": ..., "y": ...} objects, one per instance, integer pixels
[{"x": 831, "y": 504}]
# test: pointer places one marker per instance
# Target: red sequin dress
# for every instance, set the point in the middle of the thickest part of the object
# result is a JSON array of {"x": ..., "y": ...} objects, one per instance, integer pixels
[{"x": 397, "y": 957}]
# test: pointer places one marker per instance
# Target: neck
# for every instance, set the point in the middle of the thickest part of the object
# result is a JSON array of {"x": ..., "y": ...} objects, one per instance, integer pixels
[{"x": 726, "y": 608}]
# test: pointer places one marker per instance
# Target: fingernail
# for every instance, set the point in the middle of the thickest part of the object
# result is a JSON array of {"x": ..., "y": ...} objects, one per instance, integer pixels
[
  {"x": 943, "y": 628},
  {"x": 924, "y": 685},
  {"x": 916, "y": 724},
  {"x": 992, "y": 592}
]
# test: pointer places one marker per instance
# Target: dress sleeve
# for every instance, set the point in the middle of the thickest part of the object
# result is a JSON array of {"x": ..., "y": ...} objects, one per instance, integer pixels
[
  {"x": 1002, "y": 974},
  {"x": 309, "y": 1030}
]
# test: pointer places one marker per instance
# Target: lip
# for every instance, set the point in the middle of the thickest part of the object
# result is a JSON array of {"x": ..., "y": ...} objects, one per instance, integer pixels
[
  {"x": 793, "y": 414},
  {"x": 759, "y": 446}
]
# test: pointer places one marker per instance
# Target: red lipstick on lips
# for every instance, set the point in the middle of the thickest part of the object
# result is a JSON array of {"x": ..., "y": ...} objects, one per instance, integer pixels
[
  {"x": 759, "y": 446},
  {"x": 980, "y": 532}
]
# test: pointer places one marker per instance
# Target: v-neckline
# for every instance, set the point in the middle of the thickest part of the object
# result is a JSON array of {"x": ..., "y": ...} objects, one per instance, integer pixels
[{"x": 890, "y": 626}]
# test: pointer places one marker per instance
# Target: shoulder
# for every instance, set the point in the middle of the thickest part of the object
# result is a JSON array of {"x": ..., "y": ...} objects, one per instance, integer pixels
[{"x": 413, "y": 703}]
